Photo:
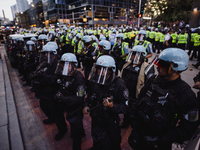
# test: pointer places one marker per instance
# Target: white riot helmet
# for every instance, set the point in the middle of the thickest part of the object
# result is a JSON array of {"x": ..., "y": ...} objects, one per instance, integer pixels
[
  {"x": 172, "y": 59},
  {"x": 67, "y": 65},
  {"x": 141, "y": 35},
  {"x": 137, "y": 54},
  {"x": 30, "y": 46},
  {"x": 104, "y": 47},
  {"x": 103, "y": 71},
  {"x": 78, "y": 36},
  {"x": 120, "y": 37},
  {"x": 48, "y": 54}
]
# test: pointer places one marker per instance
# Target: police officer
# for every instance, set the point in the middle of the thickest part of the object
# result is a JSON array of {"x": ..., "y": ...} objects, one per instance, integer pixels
[
  {"x": 89, "y": 54},
  {"x": 133, "y": 73},
  {"x": 106, "y": 99},
  {"x": 45, "y": 85},
  {"x": 112, "y": 38},
  {"x": 78, "y": 48},
  {"x": 30, "y": 62},
  {"x": 167, "y": 108},
  {"x": 71, "y": 95},
  {"x": 21, "y": 55},
  {"x": 141, "y": 40},
  {"x": 104, "y": 48},
  {"x": 120, "y": 51}
]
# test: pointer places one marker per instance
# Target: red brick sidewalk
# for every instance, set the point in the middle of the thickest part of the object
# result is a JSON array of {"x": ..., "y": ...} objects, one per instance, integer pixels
[{"x": 66, "y": 142}]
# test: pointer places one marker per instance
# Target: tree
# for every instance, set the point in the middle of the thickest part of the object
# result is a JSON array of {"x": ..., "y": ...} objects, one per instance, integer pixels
[{"x": 176, "y": 10}]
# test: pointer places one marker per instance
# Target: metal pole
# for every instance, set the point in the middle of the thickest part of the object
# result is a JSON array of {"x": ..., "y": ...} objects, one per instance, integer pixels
[
  {"x": 92, "y": 16},
  {"x": 139, "y": 12}
]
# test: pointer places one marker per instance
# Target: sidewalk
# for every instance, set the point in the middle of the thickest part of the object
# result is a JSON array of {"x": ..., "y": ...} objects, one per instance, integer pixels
[
  {"x": 9, "y": 125},
  {"x": 18, "y": 124}
]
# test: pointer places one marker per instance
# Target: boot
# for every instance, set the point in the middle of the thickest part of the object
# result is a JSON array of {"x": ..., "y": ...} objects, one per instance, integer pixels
[
  {"x": 48, "y": 121},
  {"x": 59, "y": 135}
]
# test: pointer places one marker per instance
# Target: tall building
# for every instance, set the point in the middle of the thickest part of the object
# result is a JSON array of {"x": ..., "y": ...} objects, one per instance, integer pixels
[
  {"x": 14, "y": 10},
  {"x": 100, "y": 12},
  {"x": 54, "y": 11},
  {"x": 22, "y": 5}
]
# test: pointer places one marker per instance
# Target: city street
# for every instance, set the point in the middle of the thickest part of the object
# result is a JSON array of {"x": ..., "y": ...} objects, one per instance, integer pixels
[{"x": 21, "y": 124}]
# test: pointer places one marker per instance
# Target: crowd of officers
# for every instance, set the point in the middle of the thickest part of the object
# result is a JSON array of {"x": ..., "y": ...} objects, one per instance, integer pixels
[{"x": 118, "y": 79}]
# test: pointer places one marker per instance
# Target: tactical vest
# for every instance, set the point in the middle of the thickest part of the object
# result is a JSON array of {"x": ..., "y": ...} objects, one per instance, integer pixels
[
  {"x": 182, "y": 39},
  {"x": 157, "y": 37},
  {"x": 197, "y": 40},
  {"x": 67, "y": 39},
  {"x": 174, "y": 37},
  {"x": 122, "y": 48},
  {"x": 162, "y": 38},
  {"x": 80, "y": 46}
]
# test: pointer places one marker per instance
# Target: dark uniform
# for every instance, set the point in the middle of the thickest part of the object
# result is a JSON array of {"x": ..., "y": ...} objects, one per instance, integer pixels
[
  {"x": 162, "y": 104},
  {"x": 130, "y": 75},
  {"x": 88, "y": 59},
  {"x": 72, "y": 89},
  {"x": 106, "y": 133},
  {"x": 45, "y": 85},
  {"x": 30, "y": 63}
]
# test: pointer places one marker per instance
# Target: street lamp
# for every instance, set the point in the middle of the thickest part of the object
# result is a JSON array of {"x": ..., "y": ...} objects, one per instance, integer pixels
[
  {"x": 195, "y": 9},
  {"x": 32, "y": 5}
]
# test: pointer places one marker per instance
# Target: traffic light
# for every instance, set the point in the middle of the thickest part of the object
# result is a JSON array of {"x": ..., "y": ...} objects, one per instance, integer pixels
[
  {"x": 142, "y": 8},
  {"x": 139, "y": 15}
]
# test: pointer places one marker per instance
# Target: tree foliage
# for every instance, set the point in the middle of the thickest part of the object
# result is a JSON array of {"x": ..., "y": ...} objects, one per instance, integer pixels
[{"x": 176, "y": 10}]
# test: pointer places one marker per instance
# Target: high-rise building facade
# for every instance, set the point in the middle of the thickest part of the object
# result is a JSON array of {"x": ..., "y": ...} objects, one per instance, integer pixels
[
  {"x": 14, "y": 10},
  {"x": 22, "y": 5},
  {"x": 99, "y": 12}
]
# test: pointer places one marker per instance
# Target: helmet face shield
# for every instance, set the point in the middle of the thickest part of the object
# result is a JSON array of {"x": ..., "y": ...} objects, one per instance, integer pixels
[
  {"x": 141, "y": 37},
  {"x": 65, "y": 68},
  {"x": 47, "y": 56},
  {"x": 136, "y": 59},
  {"x": 101, "y": 75},
  {"x": 30, "y": 48},
  {"x": 119, "y": 39},
  {"x": 154, "y": 62}
]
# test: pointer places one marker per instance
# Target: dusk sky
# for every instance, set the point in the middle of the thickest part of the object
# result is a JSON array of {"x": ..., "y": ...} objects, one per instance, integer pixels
[{"x": 5, "y": 5}]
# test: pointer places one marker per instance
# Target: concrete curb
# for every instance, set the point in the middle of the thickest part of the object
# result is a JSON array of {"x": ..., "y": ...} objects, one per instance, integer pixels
[
  {"x": 33, "y": 137},
  {"x": 14, "y": 133}
]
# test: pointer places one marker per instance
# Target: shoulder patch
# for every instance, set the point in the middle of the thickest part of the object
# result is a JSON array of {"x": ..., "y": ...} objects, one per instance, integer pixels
[
  {"x": 80, "y": 91},
  {"x": 126, "y": 93}
]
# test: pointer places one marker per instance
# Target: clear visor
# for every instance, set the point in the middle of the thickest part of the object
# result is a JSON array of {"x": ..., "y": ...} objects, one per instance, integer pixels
[
  {"x": 14, "y": 41},
  {"x": 101, "y": 75},
  {"x": 30, "y": 47},
  {"x": 136, "y": 58},
  {"x": 47, "y": 56},
  {"x": 192, "y": 115},
  {"x": 141, "y": 37},
  {"x": 50, "y": 36},
  {"x": 65, "y": 68},
  {"x": 119, "y": 40},
  {"x": 155, "y": 62}
]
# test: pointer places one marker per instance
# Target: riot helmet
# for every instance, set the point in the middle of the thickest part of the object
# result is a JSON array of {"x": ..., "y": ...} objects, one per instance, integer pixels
[
  {"x": 67, "y": 65},
  {"x": 120, "y": 38},
  {"x": 103, "y": 71},
  {"x": 104, "y": 47},
  {"x": 141, "y": 35},
  {"x": 171, "y": 59},
  {"x": 136, "y": 54},
  {"x": 30, "y": 46},
  {"x": 48, "y": 54},
  {"x": 87, "y": 40}
]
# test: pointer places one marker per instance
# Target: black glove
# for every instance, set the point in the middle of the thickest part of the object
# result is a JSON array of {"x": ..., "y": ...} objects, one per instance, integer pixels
[{"x": 153, "y": 141}]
